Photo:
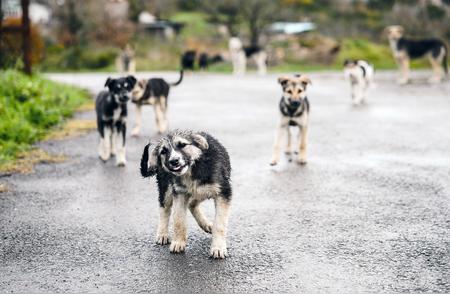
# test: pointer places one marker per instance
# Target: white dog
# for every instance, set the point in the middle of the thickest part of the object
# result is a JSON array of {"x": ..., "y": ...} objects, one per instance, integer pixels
[
  {"x": 239, "y": 55},
  {"x": 360, "y": 73}
]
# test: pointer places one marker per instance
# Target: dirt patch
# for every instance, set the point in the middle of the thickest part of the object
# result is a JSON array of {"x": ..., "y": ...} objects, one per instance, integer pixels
[
  {"x": 26, "y": 160},
  {"x": 72, "y": 128},
  {"x": 88, "y": 106}
]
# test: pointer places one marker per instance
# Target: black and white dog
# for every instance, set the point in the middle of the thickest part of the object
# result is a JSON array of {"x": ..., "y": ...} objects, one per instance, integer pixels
[
  {"x": 294, "y": 112},
  {"x": 405, "y": 49},
  {"x": 360, "y": 73},
  {"x": 154, "y": 91},
  {"x": 240, "y": 54},
  {"x": 111, "y": 109},
  {"x": 190, "y": 167}
]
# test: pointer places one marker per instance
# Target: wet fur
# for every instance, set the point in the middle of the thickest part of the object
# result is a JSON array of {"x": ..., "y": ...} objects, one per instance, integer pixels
[{"x": 208, "y": 176}]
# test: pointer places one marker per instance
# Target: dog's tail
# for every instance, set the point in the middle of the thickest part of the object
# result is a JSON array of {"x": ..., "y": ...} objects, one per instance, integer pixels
[
  {"x": 145, "y": 170},
  {"x": 179, "y": 80},
  {"x": 445, "y": 61}
]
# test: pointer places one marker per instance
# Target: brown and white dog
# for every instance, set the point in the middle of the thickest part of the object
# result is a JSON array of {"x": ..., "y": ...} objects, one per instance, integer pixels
[
  {"x": 405, "y": 49},
  {"x": 125, "y": 62},
  {"x": 154, "y": 92},
  {"x": 294, "y": 112}
]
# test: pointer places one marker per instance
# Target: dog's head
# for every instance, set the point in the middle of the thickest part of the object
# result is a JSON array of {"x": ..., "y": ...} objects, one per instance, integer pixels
[
  {"x": 294, "y": 89},
  {"x": 175, "y": 153},
  {"x": 394, "y": 32},
  {"x": 350, "y": 63},
  {"x": 138, "y": 91},
  {"x": 121, "y": 87}
]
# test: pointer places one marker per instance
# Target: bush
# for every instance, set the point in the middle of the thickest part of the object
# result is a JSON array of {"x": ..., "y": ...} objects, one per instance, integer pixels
[
  {"x": 74, "y": 58},
  {"x": 11, "y": 44},
  {"x": 29, "y": 107}
]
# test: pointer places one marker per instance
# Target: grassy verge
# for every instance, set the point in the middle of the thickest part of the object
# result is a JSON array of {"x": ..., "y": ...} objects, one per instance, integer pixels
[{"x": 30, "y": 108}]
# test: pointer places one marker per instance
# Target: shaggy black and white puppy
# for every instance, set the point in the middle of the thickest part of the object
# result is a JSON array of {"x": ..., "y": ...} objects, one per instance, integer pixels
[
  {"x": 360, "y": 73},
  {"x": 240, "y": 54},
  {"x": 154, "y": 91},
  {"x": 111, "y": 109},
  {"x": 190, "y": 167},
  {"x": 405, "y": 49},
  {"x": 294, "y": 112}
]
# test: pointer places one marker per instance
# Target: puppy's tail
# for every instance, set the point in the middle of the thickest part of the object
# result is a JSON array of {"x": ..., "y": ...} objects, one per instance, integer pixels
[
  {"x": 145, "y": 170},
  {"x": 179, "y": 80}
]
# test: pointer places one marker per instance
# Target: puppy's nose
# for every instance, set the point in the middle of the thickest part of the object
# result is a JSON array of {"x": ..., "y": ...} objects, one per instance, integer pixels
[{"x": 174, "y": 162}]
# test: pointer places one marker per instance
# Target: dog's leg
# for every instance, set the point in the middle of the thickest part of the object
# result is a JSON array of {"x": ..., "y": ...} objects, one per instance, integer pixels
[
  {"x": 288, "y": 150},
  {"x": 437, "y": 70},
  {"x": 219, "y": 231},
  {"x": 162, "y": 236},
  {"x": 114, "y": 137},
  {"x": 105, "y": 152},
  {"x": 179, "y": 224},
  {"x": 282, "y": 128},
  {"x": 261, "y": 62},
  {"x": 404, "y": 67},
  {"x": 121, "y": 129},
  {"x": 138, "y": 121},
  {"x": 303, "y": 134},
  {"x": 243, "y": 61},
  {"x": 165, "y": 122},
  {"x": 160, "y": 121},
  {"x": 206, "y": 225}
]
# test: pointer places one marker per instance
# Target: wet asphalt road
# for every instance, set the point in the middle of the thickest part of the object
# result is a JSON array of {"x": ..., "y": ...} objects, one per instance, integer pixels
[{"x": 369, "y": 213}]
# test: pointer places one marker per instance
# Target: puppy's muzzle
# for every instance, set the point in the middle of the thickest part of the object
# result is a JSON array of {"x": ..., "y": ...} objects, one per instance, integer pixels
[
  {"x": 123, "y": 98},
  {"x": 294, "y": 103}
]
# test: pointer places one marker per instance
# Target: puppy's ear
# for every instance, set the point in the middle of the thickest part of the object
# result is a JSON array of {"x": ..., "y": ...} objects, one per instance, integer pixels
[
  {"x": 149, "y": 162},
  {"x": 110, "y": 83},
  {"x": 132, "y": 81},
  {"x": 200, "y": 141},
  {"x": 283, "y": 81},
  {"x": 304, "y": 80},
  {"x": 400, "y": 29}
]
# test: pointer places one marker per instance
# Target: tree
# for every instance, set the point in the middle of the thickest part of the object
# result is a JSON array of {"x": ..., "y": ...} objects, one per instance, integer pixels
[{"x": 253, "y": 14}]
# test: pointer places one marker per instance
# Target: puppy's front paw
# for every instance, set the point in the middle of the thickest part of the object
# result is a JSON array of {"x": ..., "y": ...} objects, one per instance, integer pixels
[
  {"x": 121, "y": 163},
  {"x": 273, "y": 162},
  {"x": 301, "y": 161},
  {"x": 207, "y": 227},
  {"x": 162, "y": 239},
  {"x": 135, "y": 133},
  {"x": 104, "y": 157},
  {"x": 218, "y": 251},
  {"x": 177, "y": 246}
]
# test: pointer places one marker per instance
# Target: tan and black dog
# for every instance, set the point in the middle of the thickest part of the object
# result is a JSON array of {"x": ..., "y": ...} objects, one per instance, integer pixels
[
  {"x": 405, "y": 49},
  {"x": 154, "y": 92},
  {"x": 294, "y": 112}
]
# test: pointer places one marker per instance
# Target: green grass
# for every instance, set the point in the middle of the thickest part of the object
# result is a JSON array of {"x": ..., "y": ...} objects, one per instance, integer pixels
[
  {"x": 195, "y": 23},
  {"x": 29, "y": 108}
]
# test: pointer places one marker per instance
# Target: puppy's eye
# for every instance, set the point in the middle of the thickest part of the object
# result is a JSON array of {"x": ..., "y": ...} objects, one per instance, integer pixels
[
  {"x": 289, "y": 91},
  {"x": 163, "y": 151},
  {"x": 181, "y": 145}
]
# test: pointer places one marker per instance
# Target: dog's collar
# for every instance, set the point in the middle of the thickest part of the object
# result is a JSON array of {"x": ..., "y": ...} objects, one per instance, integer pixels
[{"x": 291, "y": 111}]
